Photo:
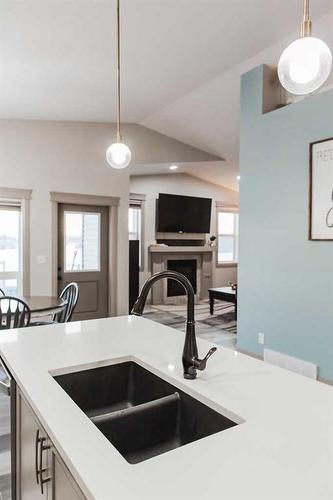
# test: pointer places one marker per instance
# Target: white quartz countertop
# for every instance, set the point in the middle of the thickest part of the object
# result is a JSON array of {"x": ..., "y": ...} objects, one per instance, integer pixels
[{"x": 283, "y": 450}]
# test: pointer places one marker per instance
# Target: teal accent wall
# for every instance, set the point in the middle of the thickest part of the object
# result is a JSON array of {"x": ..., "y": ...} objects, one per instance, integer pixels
[{"x": 285, "y": 281}]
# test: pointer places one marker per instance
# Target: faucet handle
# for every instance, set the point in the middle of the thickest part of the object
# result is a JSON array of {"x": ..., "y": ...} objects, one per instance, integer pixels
[{"x": 200, "y": 364}]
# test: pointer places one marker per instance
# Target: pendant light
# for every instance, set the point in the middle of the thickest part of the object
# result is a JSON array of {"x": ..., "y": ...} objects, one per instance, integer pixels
[
  {"x": 306, "y": 63},
  {"x": 118, "y": 155}
]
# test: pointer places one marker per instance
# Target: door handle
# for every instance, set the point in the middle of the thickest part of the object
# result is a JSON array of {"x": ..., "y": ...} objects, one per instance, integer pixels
[{"x": 42, "y": 469}]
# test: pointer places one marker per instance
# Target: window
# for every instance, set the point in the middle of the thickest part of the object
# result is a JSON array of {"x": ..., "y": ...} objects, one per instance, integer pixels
[
  {"x": 10, "y": 249},
  {"x": 82, "y": 241},
  {"x": 134, "y": 226},
  {"x": 135, "y": 223},
  {"x": 227, "y": 239}
]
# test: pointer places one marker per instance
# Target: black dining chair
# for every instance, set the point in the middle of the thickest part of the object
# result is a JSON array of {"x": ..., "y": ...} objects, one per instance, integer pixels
[
  {"x": 70, "y": 294},
  {"x": 14, "y": 313},
  {"x": 2, "y": 293}
]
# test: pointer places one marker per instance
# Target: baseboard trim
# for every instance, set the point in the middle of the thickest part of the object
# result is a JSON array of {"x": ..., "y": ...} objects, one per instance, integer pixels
[
  {"x": 261, "y": 358},
  {"x": 297, "y": 365},
  {"x": 325, "y": 381},
  {"x": 248, "y": 353}
]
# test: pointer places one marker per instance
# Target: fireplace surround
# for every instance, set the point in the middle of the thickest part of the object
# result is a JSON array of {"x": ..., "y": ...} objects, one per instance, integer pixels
[
  {"x": 187, "y": 267},
  {"x": 163, "y": 257}
]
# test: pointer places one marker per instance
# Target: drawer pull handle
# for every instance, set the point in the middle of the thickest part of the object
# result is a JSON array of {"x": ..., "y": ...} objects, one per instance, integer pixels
[
  {"x": 43, "y": 480},
  {"x": 37, "y": 442}
]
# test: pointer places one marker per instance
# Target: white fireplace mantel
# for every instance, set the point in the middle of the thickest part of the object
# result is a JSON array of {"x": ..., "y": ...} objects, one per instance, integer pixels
[{"x": 180, "y": 249}]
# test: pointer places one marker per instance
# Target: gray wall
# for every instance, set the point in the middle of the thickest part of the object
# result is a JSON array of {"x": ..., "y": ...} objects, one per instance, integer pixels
[
  {"x": 149, "y": 146},
  {"x": 286, "y": 281},
  {"x": 65, "y": 157},
  {"x": 70, "y": 157}
]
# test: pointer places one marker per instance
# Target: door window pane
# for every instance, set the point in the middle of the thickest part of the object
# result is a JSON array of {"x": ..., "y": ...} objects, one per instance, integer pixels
[
  {"x": 10, "y": 250},
  {"x": 82, "y": 241}
]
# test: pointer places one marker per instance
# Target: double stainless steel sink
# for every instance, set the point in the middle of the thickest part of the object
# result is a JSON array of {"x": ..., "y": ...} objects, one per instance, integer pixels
[{"x": 141, "y": 414}]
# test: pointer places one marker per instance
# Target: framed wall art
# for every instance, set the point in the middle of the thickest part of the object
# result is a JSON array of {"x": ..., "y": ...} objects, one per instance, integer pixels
[{"x": 321, "y": 191}]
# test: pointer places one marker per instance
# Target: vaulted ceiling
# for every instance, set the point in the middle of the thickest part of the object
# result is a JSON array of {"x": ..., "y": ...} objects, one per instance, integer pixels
[{"x": 181, "y": 63}]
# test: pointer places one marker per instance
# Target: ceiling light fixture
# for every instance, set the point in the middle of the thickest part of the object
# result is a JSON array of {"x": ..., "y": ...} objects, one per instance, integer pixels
[
  {"x": 238, "y": 177},
  {"x": 307, "y": 62},
  {"x": 118, "y": 155},
  {"x": 173, "y": 167}
]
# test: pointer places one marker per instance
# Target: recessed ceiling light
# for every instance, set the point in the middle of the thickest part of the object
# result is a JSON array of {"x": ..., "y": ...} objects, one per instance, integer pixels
[
  {"x": 173, "y": 167},
  {"x": 238, "y": 177}
]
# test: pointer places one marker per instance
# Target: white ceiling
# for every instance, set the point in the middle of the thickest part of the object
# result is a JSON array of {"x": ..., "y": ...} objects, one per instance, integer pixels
[
  {"x": 217, "y": 172},
  {"x": 181, "y": 62}
]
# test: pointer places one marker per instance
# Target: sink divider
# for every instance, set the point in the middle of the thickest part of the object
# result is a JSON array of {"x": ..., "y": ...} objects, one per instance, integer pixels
[{"x": 132, "y": 410}]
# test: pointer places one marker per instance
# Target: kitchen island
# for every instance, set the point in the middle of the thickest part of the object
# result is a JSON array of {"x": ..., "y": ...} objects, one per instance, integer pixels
[{"x": 282, "y": 448}]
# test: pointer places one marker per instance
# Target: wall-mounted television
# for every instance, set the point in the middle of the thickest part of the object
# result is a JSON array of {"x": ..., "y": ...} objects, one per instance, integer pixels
[{"x": 187, "y": 214}]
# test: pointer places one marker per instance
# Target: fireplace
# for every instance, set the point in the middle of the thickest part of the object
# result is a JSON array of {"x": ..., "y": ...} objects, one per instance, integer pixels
[
  {"x": 187, "y": 267},
  {"x": 199, "y": 261}
]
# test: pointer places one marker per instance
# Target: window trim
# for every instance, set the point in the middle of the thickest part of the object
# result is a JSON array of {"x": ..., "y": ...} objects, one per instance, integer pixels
[
  {"x": 234, "y": 209},
  {"x": 137, "y": 200}
]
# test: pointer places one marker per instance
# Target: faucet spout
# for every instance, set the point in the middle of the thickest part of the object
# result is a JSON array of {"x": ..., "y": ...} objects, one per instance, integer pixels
[{"x": 191, "y": 363}]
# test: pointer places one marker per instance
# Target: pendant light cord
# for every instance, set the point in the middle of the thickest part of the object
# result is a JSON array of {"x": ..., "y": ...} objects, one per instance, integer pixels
[
  {"x": 306, "y": 26},
  {"x": 306, "y": 10},
  {"x": 118, "y": 73}
]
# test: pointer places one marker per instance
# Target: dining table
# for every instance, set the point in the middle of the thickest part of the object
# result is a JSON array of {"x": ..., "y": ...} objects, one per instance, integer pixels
[{"x": 43, "y": 305}]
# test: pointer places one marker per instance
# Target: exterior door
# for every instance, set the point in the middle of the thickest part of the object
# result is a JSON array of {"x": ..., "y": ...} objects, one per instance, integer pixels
[{"x": 83, "y": 256}]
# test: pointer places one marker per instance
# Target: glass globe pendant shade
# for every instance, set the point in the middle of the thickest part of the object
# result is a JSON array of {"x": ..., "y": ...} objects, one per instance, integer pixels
[
  {"x": 118, "y": 155},
  {"x": 305, "y": 65}
]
